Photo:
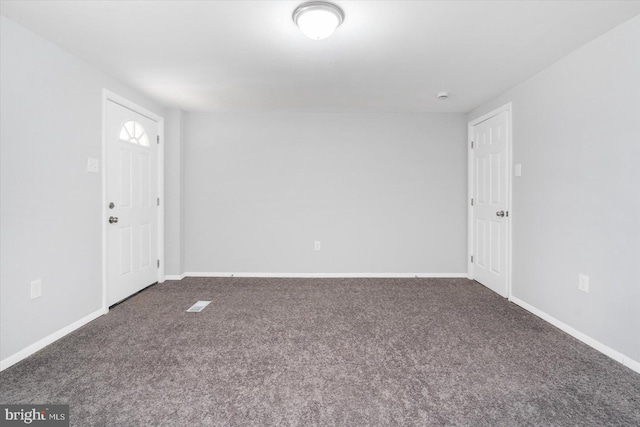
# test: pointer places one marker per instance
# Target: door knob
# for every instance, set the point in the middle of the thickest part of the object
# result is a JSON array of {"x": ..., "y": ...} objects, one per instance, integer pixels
[
  {"x": 499, "y": 213},
  {"x": 113, "y": 219}
]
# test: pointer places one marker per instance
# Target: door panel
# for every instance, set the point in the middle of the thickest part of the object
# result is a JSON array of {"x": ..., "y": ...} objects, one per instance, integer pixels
[
  {"x": 124, "y": 178},
  {"x": 145, "y": 245},
  {"x": 132, "y": 186},
  {"x": 145, "y": 196},
  {"x": 125, "y": 250},
  {"x": 481, "y": 239},
  {"x": 490, "y": 194},
  {"x": 481, "y": 187},
  {"x": 496, "y": 178},
  {"x": 495, "y": 247}
]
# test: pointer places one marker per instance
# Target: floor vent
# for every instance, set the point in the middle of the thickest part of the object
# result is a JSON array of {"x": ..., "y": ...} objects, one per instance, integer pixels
[{"x": 198, "y": 307}]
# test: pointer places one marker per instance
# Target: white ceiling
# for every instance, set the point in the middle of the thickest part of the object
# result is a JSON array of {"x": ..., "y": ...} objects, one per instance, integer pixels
[{"x": 391, "y": 56}]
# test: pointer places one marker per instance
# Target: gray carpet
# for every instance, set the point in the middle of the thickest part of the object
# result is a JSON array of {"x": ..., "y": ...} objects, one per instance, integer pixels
[{"x": 325, "y": 352}]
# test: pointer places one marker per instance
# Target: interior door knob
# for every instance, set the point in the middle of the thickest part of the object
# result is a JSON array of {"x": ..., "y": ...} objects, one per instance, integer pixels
[
  {"x": 113, "y": 219},
  {"x": 499, "y": 213}
]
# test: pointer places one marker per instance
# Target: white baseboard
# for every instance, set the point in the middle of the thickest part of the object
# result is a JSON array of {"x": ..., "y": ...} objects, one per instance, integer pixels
[
  {"x": 39, "y": 345},
  {"x": 602, "y": 348},
  {"x": 327, "y": 275},
  {"x": 174, "y": 276}
]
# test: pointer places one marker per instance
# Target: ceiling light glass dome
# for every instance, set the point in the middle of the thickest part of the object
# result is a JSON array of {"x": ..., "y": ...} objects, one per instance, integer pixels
[{"x": 318, "y": 19}]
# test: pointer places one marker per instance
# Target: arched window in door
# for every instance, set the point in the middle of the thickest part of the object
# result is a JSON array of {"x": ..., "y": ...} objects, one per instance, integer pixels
[{"x": 134, "y": 133}]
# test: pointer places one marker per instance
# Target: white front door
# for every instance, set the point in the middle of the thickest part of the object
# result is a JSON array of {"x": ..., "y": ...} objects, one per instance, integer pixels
[
  {"x": 132, "y": 191},
  {"x": 490, "y": 190}
]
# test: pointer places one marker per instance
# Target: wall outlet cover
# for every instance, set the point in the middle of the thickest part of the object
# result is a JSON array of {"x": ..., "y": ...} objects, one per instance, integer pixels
[
  {"x": 93, "y": 165},
  {"x": 583, "y": 283},
  {"x": 36, "y": 289}
]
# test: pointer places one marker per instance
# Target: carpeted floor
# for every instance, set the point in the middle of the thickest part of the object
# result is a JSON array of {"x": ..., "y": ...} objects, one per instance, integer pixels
[{"x": 325, "y": 352}]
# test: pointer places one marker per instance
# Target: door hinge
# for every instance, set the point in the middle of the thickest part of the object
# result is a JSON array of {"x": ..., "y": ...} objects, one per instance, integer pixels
[
  {"x": 472, "y": 145},
  {"x": 158, "y": 263},
  {"x": 471, "y": 258},
  {"x": 506, "y": 213},
  {"x": 158, "y": 201},
  {"x": 472, "y": 201},
  {"x": 157, "y": 139}
]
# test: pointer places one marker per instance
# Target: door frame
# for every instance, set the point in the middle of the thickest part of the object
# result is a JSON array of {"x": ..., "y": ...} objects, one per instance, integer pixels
[
  {"x": 108, "y": 96},
  {"x": 471, "y": 183}
]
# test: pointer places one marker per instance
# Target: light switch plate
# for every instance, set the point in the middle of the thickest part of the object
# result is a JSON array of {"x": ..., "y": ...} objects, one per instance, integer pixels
[{"x": 93, "y": 165}]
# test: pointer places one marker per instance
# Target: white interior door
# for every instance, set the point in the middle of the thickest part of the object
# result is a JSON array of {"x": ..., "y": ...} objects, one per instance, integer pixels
[
  {"x": 132, "y": 211},
  {"x": 490, "y": 164}
]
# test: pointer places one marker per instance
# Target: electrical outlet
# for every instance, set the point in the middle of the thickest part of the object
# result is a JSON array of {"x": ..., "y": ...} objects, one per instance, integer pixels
[
  {"x": 93, "y": 165},
  {"x": 583, "y": 283},
  {"x": 36, "y": 289},
  {"x": 316, "y": 245}
]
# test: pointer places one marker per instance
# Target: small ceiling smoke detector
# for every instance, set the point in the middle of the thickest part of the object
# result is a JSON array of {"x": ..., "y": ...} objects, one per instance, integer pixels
[
  {"x": 442, "y": 95},
  {"x": 318, "y": 19}
]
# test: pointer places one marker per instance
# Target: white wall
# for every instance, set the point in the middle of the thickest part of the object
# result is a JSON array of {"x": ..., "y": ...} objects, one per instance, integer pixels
[
  {"x": 576, "y": 208},
  {"x": 384, "y": 193},
  {"x": 50, "y": 207},
  {"x": 173, "y": 191}
]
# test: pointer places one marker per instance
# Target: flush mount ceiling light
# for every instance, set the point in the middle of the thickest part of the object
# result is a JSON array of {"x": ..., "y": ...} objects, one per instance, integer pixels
[{"x": 318, "y": 19}]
